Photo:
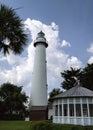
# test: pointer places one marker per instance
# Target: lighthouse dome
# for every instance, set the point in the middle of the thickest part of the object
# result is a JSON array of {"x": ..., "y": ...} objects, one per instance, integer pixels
[{"x": 40, "y": 39}]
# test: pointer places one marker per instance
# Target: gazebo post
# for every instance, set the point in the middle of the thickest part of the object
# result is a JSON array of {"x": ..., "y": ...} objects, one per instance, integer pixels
[
  {"x": 68, "y": 110},
  {"x": 74, "y": 111},
  {"x": 62, "y": 112},
  {"x": 88, "y": 110},
  {"x": 58, "y": 108}
]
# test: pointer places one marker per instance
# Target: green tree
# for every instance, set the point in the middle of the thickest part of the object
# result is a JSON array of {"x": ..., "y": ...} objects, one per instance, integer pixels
[
  {"x": 54, "y": 92},
  {"x": 12, "y": 35},
  {"x": 12, "y": 100},
  {"x": 70, "y": 78},
  {"x": 87, "y": 76}
]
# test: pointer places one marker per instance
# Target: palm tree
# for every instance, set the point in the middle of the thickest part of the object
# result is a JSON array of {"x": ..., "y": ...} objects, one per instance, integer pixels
[{"x": 12, "y": 35}]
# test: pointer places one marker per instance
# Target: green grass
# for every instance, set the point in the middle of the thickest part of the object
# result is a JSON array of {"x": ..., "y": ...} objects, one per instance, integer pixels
[
  {"x": 15, "y": 125},
  {"x": 39, "y": 125}
]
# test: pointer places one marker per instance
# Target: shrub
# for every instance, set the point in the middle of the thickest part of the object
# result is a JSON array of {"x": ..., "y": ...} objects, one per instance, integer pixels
[
  {"x": 78, "y": 128},
  {"x": 88, "y": 128},
  {"x": 48, "y": 125}
]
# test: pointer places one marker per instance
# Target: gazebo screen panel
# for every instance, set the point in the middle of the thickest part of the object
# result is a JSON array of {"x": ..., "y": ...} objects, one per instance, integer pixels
[
  {"x": 65, "y": 109},
  {"x": 71, "y": 100},
  {"x": 84, "y": 100},
  {"x": 65, "y": 100},
  {"x": 90, "y": 100},
  {"x": 60, "y": 109},
  {"x": 91, "y": 110},
  {"x": 85, "y": 110},
  {"x": 77, "y": 100},
  {"x": 78, "y": 110},
  {"x": 71, "y": 109},
  {"x": 56, "y": 110}
]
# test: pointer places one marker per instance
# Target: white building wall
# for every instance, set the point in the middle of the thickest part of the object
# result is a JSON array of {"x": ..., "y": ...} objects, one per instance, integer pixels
[{"x": 39, "y": 81}]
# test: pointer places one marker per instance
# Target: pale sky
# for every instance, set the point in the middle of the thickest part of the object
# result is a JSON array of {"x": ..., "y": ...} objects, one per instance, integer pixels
[{"x": 68, "y": 28}]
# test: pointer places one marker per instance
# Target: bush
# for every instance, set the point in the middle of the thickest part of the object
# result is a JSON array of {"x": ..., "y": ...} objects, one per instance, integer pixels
[
  {"x": 78, "y": 128},
  {"x": 47, "y": 125},
  {"x": 11, "y": 117},
  {"x": 41, "y": 125},
  {"x": 88, "y": 128}
]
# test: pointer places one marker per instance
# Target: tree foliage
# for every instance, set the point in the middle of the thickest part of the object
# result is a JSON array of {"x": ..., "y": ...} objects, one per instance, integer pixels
[
  {"x": 87, "y": 76},
  {"x": 12, "y": 100},
  {"x": 12, "y": 35},
  {"x": 72, "y": 76},
  {"x": 54, "y": 92}
]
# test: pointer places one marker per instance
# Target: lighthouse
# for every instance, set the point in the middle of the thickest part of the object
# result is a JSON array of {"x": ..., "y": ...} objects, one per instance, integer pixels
[{"x": 38, "y": 106}]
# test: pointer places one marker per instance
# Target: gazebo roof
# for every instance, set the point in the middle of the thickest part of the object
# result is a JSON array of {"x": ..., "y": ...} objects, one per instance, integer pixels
[{"x": 75, "y": 92}]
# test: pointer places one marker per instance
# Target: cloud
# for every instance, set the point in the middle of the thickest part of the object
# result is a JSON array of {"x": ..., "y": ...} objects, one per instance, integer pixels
[
  {"x": 21, "y": 67},
  {"x": 90, "y": 49},
  {"x": 65, "y": 43},
  {"x": 74, "y": 62},
  {"x": 90, "y": 61}
]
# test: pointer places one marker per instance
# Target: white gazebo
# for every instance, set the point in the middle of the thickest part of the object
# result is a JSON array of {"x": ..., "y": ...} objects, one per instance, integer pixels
[{"x": 74, "y": 106}]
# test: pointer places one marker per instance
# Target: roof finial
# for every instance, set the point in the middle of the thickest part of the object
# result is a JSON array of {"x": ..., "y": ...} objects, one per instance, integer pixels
[{"x": 77, "y": 83}]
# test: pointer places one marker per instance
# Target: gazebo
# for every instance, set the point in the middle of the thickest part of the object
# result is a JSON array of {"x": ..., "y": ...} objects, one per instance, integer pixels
[{"x": 74, "y": 106}]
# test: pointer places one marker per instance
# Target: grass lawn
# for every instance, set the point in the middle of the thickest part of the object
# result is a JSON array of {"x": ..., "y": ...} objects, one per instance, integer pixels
[
  {"x": 39, "y": 125},
  {"x": 15, "y": 125}
]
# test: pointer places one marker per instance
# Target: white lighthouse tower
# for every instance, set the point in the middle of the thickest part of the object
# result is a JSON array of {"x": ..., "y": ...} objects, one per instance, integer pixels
[{"x": 39, "y": 82}]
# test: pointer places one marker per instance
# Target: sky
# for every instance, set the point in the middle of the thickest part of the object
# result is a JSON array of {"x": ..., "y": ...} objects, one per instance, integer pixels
[{"x": 68, "y": 28}]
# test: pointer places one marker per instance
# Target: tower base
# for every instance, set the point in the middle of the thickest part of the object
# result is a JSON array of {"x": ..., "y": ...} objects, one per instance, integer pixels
[{"x": 38, "y": 113}]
